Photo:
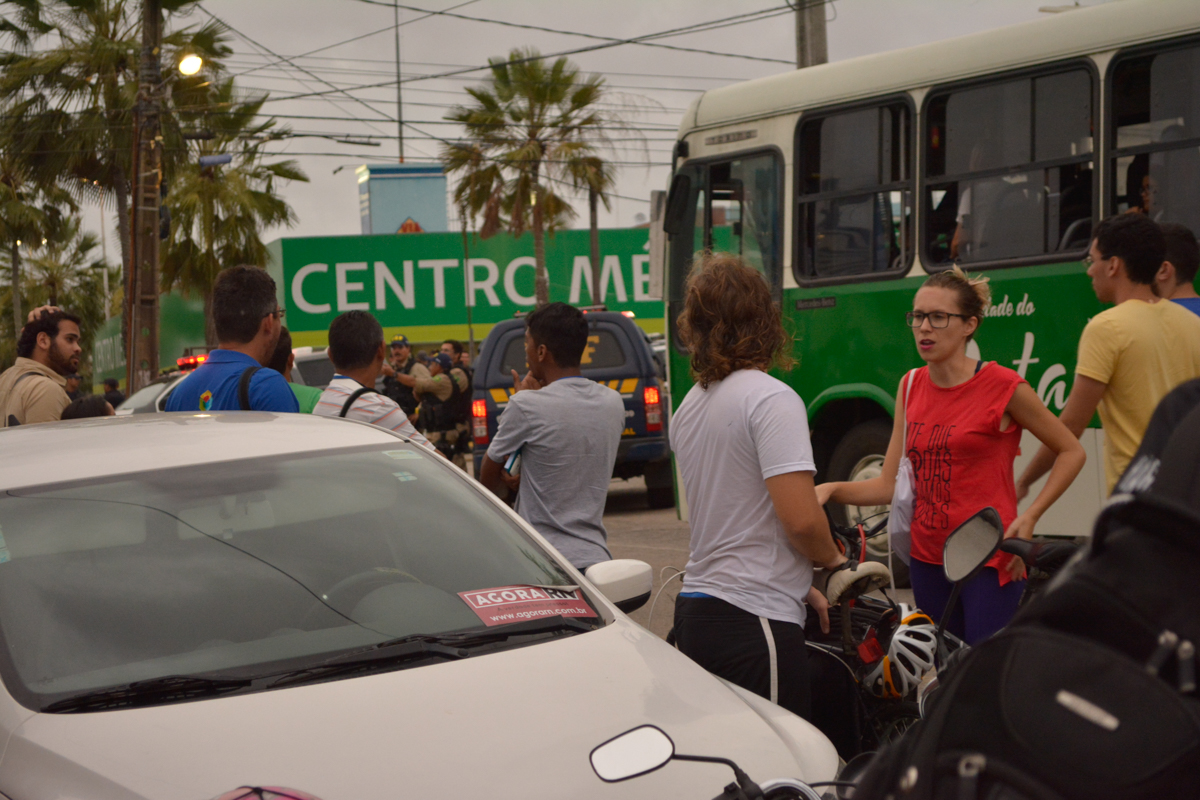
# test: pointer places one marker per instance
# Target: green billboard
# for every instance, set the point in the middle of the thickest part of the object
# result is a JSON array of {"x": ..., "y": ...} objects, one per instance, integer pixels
[{"x": 416, "y": 283}]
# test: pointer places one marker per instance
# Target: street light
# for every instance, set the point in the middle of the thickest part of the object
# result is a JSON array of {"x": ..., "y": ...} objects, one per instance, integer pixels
[{"x": 190, "y": 64}]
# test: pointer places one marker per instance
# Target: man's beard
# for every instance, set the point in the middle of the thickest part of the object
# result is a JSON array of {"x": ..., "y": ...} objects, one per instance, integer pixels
[{"x": 61, "y": 362}]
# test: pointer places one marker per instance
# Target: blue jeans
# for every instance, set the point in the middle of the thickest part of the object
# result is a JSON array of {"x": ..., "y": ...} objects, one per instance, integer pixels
[{"x": 984, "y": 606}]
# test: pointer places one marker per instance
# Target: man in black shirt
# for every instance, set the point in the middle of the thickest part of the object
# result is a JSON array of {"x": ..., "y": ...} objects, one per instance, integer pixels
[
  {"x": 111, "y": 393},
  {"x": 401, "y": 375}
]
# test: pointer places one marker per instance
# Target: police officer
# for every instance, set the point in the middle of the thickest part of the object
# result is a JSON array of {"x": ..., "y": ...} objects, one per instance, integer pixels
[
  {"x": 441, "y": 404},
  {"x": 401, "y": 375}
]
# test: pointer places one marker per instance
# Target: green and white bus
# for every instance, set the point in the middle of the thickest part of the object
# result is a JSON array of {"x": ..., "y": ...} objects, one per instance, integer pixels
[{"x": 848, "y": 183}]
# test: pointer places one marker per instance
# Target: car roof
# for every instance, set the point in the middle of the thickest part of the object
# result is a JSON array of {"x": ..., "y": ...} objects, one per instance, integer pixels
[{"x": 57, "y": 452}]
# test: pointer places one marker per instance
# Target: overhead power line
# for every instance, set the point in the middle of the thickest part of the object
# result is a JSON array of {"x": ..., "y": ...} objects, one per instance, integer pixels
[
  {"x": 725, "y": 22},
  {"x": 447, "y": 13},
  {"x": 289, "y": 59}
]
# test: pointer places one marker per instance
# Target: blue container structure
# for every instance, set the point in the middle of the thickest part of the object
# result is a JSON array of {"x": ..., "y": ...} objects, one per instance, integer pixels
[{"x": 402, "y": 198}]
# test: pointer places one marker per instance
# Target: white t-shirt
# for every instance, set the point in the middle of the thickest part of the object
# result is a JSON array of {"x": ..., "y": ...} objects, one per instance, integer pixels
[
  {"x": 371, "y": 407},
  {"x": 728, "y": 440}
]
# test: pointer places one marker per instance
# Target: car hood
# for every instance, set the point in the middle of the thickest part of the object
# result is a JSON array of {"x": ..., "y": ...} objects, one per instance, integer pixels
[{"x": 517, "y": 723}]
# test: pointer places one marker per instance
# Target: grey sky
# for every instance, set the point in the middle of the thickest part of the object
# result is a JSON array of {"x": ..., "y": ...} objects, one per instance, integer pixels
[{"x": 651, "y": 85}]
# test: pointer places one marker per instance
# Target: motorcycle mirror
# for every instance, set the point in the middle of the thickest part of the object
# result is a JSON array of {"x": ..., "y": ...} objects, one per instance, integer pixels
[
  {"x": 633, "y": 753},
  {"x": 972, "y": 545}
]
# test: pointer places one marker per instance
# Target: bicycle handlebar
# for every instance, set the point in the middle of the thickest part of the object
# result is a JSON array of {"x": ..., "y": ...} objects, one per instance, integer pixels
[{"x": 1043, "y": 555}]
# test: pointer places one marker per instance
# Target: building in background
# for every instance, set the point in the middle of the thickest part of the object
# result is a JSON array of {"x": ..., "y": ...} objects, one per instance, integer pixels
[{"x": 402, "y": 198}]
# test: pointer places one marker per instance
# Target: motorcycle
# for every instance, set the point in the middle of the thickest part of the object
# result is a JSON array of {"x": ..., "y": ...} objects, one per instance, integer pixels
[
  {"x": 968, "y": 549},
  {"x": 647, "y": 748}
]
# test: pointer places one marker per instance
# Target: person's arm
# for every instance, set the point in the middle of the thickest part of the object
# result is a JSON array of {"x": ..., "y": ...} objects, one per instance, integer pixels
[
  {"x": 1028, "y": 411},
  {"x": 803, "y": 519},
  {"x": 876, "y": 491},
  {"x": 512, "y": 432},
  {"x": 1081, "y": 406}
]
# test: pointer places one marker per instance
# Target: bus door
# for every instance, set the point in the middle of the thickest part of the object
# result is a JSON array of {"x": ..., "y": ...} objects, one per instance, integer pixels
[{"x": 730, "y": 205}]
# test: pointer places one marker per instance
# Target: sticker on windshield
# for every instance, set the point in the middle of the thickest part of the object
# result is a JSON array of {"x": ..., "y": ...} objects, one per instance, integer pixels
[
  {"x": 404, "y": 477},
  {"x": 403, "y": 455},
  {"x": 508, "y": 604}
]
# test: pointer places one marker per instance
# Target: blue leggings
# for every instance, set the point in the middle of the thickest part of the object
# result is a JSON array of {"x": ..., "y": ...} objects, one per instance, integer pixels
[{"x": 984, "y": 606}]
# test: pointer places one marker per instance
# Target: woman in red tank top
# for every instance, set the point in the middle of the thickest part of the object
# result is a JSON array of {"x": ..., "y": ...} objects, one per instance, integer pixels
[{"x": 965, "y": 419}]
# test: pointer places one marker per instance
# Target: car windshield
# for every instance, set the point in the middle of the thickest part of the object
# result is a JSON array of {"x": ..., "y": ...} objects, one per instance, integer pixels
[{"x": 251, "y": 567}]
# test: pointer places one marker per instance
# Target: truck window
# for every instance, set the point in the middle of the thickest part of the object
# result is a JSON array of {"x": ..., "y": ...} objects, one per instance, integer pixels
[{"x": 603, "y": 351}]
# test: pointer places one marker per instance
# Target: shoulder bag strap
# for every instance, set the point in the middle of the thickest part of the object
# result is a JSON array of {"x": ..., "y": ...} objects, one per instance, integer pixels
[
  {"x": 354, "y": 396},
  {"x": 904, "y": 409},
  {"x": 244, "y": 387}
]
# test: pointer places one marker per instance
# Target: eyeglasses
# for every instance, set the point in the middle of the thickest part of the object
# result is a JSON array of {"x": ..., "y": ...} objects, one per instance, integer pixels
[
  {"x": 937, "y": 319},
  {"x": 278, "y": 313}
]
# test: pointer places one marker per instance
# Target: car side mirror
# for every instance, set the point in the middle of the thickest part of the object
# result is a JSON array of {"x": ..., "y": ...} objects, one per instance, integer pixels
[
  {"x": 972, "y": 545},
  {"x": 633, "y": 753},
  {"x": 626, "y": 582}
]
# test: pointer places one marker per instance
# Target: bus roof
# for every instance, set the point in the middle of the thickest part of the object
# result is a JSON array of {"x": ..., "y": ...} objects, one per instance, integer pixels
[{"x": 1061, "y": 36}]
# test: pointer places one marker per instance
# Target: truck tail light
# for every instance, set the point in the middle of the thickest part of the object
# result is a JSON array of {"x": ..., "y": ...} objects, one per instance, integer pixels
[
  {"x": 479, "y": 420},
  {"x": 653, "y": 409}
]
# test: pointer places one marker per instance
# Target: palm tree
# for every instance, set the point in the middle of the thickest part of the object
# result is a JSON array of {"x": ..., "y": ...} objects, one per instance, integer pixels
[
  {"x": 68, "y": 109},
  {"x": 27, "y": 211},
  {"x": 62, "y": 268},
  {"x": 528, "y": 124},
  {"x": 219, "y": 213},
  {"x": 598, "y": 178}
]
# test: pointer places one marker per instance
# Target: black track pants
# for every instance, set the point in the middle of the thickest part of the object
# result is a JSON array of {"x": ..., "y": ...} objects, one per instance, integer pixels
[{"x": 766, "y": 657}]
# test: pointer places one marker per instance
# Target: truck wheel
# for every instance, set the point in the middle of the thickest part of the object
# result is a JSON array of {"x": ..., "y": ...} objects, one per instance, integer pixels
[{"x": 859, "y": 456}]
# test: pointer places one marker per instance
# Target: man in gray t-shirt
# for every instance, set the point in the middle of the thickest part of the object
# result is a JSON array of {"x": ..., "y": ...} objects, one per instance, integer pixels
[{"x": 567, "y": 429}]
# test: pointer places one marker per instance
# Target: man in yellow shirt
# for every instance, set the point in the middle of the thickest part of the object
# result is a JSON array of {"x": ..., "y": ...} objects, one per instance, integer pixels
[{"x": 1130, "y": 355}]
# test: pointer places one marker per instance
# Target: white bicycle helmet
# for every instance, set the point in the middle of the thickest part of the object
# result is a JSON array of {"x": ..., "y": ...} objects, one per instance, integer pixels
[{"x": 910, "y": 655}]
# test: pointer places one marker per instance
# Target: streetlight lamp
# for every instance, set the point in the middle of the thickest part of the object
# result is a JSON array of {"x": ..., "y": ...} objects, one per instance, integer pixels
[{"x": 190, "y": 64}]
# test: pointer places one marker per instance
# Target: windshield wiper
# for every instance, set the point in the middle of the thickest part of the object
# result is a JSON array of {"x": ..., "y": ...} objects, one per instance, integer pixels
[
  {"x": 385, "y": 655},
  {"x": 500, "y": 633},
  {"x": 419, "y": 647},
  {"x": 154, "y": 691}
]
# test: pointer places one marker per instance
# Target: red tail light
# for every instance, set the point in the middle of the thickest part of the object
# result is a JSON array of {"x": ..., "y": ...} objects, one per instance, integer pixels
[
  {"x": 479, "y": 419},
  {"x": 653, "y": 409},
  {"x": 190, "y": 362}
]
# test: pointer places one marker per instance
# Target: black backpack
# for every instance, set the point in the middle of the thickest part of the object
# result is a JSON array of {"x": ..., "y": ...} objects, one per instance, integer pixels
[{"x": 1091, "y": 691}]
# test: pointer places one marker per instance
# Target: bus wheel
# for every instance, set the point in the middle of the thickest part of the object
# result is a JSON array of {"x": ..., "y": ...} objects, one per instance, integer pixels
[{"x": 857, "y": 457}]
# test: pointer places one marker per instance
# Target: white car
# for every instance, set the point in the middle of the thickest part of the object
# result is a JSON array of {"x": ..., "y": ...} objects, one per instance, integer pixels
[{"x": 191, "y": 603}]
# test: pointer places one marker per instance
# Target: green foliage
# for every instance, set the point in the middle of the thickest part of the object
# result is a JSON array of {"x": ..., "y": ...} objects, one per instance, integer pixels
[
  {"x": 217, "y": 213},
  {"x": 67, "y": 118},
  {"x": 64, "y": 270}
]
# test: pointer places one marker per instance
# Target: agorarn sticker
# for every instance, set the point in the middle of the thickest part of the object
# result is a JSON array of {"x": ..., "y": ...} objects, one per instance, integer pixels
[{"x": 508, "y": 604}]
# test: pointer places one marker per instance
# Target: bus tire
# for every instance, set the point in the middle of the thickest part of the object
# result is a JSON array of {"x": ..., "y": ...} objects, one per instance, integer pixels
[{"x": 861, "y": 451}]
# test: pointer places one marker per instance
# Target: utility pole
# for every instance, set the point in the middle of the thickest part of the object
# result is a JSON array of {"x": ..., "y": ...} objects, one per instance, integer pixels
[
  {"x": 811, "y": 46},
  {"x": 399, "y": 100},
  {"x": 142, "y": 363}
]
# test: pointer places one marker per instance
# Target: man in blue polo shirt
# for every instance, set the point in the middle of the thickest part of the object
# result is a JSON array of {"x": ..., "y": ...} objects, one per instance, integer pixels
[{"x": 248, "y": 321}]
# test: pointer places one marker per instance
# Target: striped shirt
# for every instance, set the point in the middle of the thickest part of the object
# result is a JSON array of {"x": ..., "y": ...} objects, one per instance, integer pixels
[{"x": 371, "y": 407}]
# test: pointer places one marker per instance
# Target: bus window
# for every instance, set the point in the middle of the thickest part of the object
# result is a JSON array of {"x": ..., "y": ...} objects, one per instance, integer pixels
[
  {"x": 1156, "y": 115},
  {"x": 853, "y": 193},
  {"x": 1008, "y": 170}
]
